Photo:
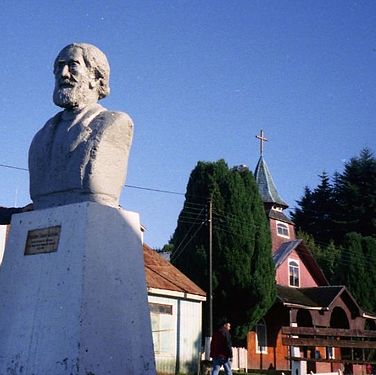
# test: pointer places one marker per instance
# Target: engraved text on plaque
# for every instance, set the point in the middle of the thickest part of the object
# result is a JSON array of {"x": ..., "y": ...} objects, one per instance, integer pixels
[{"x": 44, "y": 240}]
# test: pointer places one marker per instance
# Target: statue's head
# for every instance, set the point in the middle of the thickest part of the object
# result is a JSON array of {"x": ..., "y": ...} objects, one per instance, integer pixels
[{"x": 81, "y": 76}]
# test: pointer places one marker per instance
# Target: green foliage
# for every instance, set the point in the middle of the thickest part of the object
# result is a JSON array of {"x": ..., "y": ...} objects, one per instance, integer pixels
[
  {"x": 328, "y": 260},
  {"x": 347, "y": 205},
  {"x": 369, "y": 253},
  {"x": 167, "y": 248},
  {"x": 356, "y": 268},
  {"x": 355, "y": 191},
  {"x": 327, "y": 256},
  {"x": 243, "y": 270},
  {"x": 339, "y": 220},
  {"x": 315, "y": 214}
]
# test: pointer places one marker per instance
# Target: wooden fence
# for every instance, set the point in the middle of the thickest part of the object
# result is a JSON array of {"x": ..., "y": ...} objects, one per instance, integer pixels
[{"x": 239, "y": 359}]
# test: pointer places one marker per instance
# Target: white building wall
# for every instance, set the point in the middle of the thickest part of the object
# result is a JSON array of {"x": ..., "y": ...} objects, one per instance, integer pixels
[
  {"x": 190, "y": 336},
  {"x": 185, "y": 340},
  {"x": 164, "y": 335}
]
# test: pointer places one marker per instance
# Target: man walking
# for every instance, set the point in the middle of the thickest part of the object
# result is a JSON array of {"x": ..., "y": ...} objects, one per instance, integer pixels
[{"x": 221, "y": 349}]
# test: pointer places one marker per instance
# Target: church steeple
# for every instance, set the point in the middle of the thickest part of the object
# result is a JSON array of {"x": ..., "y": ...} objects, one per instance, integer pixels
[
  {"x": 264, "y": 180},
  {"x": 281, "y": 227}
]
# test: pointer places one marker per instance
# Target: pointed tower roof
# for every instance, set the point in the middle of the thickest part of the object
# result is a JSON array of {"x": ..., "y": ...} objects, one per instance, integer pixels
[
  {"x": 265, "y": 183},
  {"x": 264, "y": 180}
]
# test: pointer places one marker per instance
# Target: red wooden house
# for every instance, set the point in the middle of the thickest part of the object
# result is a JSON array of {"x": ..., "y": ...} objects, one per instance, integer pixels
[{"x": 312, "y": 326}]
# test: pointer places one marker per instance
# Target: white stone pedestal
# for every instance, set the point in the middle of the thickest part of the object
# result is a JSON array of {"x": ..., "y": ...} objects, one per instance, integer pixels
[{"x": 80, "y": 310}]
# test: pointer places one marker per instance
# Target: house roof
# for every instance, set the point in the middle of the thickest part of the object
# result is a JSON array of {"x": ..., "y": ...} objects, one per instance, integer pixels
[
  {"x": 315, "y": 297},
  {"x": 267, "y": 189},
  {"x": 279, "y": 215},
  {"x": 319, "y": 298},
  {"x": 285, "y": 249},
  {"x": 161, "y": 274}
]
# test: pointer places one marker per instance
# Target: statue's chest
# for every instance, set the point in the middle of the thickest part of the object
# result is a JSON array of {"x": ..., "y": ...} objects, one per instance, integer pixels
[{"x": 70, "y": 140}]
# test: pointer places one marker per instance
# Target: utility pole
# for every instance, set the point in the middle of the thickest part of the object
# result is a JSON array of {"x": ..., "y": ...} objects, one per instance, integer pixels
[{"x": 209, "y": 330}]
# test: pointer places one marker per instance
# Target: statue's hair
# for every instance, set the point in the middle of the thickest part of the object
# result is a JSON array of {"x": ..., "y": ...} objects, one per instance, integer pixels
[{"x": 96, "y": 61}]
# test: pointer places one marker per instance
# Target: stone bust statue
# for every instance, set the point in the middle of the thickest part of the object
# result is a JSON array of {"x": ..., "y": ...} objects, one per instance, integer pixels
[{"x": 81, "y": 154}]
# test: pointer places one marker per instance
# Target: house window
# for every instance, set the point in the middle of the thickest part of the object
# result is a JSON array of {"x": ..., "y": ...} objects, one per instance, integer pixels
[
  {"x": 282, "y": 230},
  {"x": 158, "y": 308},
  {"x": 261, "y": 338},
  {"x": 294, "y": 273},
  {"x": 330, "y": 352},
  {"x": 162, "y": 326}
]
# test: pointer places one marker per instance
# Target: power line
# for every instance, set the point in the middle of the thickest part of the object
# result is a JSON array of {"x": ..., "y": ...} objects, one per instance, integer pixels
[
  {"x": 13, "y": 167},
  {"x": 154, "y": 190},
  {"x": 194, "y": 206},
  {"x": 129, "y": 186},
  {"x": 187, "y": 243},
  {"x": 190, "y": 209},
  {"x": 177, "y": 253},
  {"x": 220, "y": 220}
]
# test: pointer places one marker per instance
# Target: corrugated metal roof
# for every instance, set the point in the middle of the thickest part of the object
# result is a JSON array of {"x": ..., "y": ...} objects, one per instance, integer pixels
[
  {"x": 161, "y": 274},
  {"x": 267, "y": 189}
]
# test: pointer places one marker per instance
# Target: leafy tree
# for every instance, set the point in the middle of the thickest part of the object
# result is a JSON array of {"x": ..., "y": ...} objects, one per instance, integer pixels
[
  {"x": 328, "y": 260},
  {"x": 243, "y": 270},
  {"x": 340, "y": 217},
  {"x": 302, "y": 215},
  {"x": 369, "y": 251},
  {"x": 315, "y": 215},
  {"x": 327, "y": 256},
  {"x": 347, "y": 205},
  {"x": 356, "y": 268},
  {"x": 355, "y": 191},
  {"x": 351, "y": 266}
]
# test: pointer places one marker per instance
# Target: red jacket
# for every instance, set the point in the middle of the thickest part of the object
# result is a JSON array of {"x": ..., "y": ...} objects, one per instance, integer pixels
[{"x": 221, "y": 346}]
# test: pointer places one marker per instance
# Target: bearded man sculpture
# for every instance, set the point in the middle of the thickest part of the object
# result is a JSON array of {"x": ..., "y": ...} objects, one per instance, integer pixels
[{"x": 81, "y": 154}]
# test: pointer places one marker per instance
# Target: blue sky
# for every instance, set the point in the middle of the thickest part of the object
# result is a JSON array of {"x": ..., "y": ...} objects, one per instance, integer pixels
[{"x": 200, "y": 79}]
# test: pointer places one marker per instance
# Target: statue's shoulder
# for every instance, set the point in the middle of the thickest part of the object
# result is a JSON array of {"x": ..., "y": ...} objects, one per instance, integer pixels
[
  {"x": 114, "y": 125},
  {"x": 52, "y": 122},
  {"x": 48, "y": 128},
  {"x": 110, "y": 119}
]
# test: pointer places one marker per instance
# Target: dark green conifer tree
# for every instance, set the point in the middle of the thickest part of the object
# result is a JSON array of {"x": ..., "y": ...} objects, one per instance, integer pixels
[
  {"x": 315, "y": 214},
  {"x": 327, "y": 256},
  {"x": 369, "y": 251},
  {"x": 357, "y": 269},
  {"x": 351, "y": 269},
  {"x": 302, "y": 215},
  {"x": 348, "y": 205},
  {"x": 243, "y": 270},
  {"x": 341, "y": 218},
  {"x": 355, "y": 191}
]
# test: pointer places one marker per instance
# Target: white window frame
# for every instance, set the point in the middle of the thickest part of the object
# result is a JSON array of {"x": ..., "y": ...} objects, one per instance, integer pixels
[
  {"x": 261, "y": 349},
  {"x": 280, "y": 224},
  {"x": 291, "y": 260}
]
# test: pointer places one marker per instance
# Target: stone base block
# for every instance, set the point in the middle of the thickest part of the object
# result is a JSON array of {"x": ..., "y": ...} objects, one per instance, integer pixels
[{"x": 77, "y": 304}]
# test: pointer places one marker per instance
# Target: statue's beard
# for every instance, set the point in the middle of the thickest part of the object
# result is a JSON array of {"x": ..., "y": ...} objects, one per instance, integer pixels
[{"x": 73, "y": 96}]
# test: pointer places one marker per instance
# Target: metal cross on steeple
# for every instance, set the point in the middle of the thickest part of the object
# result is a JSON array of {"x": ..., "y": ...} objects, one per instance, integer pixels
[{"x": 262, "y": 140}]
